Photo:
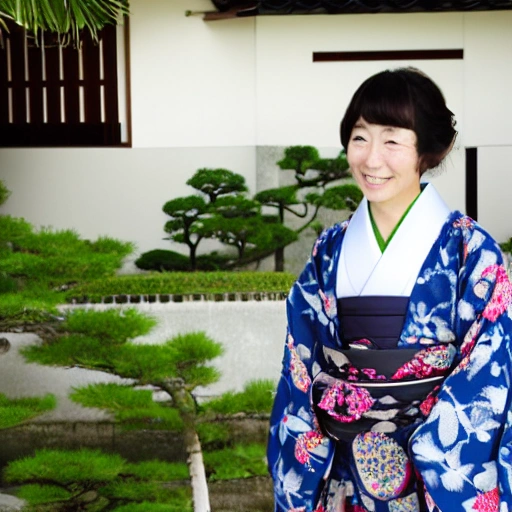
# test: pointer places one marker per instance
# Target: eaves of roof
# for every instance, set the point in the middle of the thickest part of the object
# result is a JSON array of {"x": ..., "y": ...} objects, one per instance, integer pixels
[{"x": 244, "y": 8}]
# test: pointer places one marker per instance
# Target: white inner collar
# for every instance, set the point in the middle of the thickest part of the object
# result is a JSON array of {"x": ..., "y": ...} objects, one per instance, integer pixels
[{"x": 364, "y": 270}]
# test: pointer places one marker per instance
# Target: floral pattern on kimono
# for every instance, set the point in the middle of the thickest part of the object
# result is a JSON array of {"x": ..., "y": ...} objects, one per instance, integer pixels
[{"x": 462, "y": 450}]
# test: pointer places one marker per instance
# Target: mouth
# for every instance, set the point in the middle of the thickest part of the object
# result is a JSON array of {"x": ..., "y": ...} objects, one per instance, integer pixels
[{"x": 373, "y": 180}]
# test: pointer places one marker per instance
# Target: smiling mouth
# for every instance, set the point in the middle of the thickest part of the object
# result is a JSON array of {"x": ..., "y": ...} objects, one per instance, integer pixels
[{"x": 373, "y": 180}]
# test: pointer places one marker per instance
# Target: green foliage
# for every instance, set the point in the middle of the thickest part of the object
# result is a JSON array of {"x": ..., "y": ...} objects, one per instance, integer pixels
[
  {"x": 217, "y": 182},
  {"x": 187, "y": 215},
  {"x": 149, "y": 364},
  {"x": 162, "y": 260},
  {"x": 194, "y": 348},
  {"x": 341, "y": 197},
  {"x": 41, "y": 260},
  {"x": 507, "y": 246},
  {"x": 27, "y": 307},
  {"x": 7, "y": 284},
  {"x": 110, "y": 481},
  {"x": 256, "y": 397},
  {"x": 184, "y": 357},
  {"x": 328, "y": 170},
  {"x": 72, "y": 350},
  {"x": 131, "y": 407},
  {"x": 58, "y": 268},
  {"x": 133, "y": 490},
  {"x": 278, "y": 196},
  {"x": 239, "y": 232},
  {"x": 180, "y": 503},
  {"x": 242, "y": 461},
  {"x": 4, "y": 193},
  {"x": 65, "y": 467},
  {"x": 118, "y": 326},
  {"x": 17, "y": 410},
  {"x": 159, "y": 471},
  {"x": 107, "y": 245},
  {"x": 37, "y": 494},
  {"x": 213, "y": 434},
  {"x": 181, "y": 207},
  {"x": 66, "y": 19},
  {"x": 36, "y": 265},
  {"x": 94, "y": 340},
  {"x": 299, "y": 158},
  {"x": 276, "y": 236},
  {"x": 231, "y": 207},
  {"x": 184, "y": 283},
  {"x": 13, "y": 230}
]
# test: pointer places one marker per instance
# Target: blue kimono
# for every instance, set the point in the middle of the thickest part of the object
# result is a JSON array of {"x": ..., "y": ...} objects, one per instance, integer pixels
[{"x": 458, "y": 455}]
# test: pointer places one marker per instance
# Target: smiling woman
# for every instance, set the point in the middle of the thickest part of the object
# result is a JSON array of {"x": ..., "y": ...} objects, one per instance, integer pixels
[
  {"x": 395, "y": 386},
  {"x": 396, "y": 127},
  {"x": 384, "y": 162}
]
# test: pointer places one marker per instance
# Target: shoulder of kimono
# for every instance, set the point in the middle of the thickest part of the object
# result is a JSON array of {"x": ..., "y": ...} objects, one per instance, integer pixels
[
  {"x": 331, "y": 234},
  {"x": 469, "y": 230}
]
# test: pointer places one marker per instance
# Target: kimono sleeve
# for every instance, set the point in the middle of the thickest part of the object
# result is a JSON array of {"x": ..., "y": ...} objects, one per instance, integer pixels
[
  {"x": 299, "y": 456},
  {"x": 463, "y": 450}
]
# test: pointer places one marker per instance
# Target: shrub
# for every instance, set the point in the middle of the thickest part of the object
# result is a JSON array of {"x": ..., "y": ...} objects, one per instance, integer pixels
[
  {"x": 4, "y": 192},
  {"x": 17, "y": 410},
  {"x": 507, "y": 246},
  {"x": 257, "y": 397},
  {"x": 183, "y": 283},
  {"x": 162, "y": 260},
  {"x": 241, "y": 461},
  {"x": 91, "y": 480}
]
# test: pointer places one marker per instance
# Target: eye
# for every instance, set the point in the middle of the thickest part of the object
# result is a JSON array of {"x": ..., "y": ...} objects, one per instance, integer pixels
[
  {"x": 391, "y": 142},
  {"x": 357, "y": 138}
]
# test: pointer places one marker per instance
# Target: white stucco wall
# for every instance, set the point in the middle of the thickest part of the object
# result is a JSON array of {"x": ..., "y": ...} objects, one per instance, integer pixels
[
  {"x": 207, "y": 94},
  {"x": 193, "y": 83},
  {"x": 494, "y": 188}
]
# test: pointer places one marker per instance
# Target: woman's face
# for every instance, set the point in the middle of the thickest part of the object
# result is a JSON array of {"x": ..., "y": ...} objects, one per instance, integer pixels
[{"x": 384, "y": 162}]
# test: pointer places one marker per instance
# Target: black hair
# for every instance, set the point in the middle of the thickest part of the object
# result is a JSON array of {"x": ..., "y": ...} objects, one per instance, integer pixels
[{"x": 405, "y": 98}]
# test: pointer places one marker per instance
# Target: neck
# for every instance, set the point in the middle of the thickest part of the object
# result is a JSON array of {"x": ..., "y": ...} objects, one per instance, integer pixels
[{"x": 387, "y": 216}]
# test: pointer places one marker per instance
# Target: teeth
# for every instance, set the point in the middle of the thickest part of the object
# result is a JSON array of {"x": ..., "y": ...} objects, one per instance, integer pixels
[{"x": 375, "y": 181}]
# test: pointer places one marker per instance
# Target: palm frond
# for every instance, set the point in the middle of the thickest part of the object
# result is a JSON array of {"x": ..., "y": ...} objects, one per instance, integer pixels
[{"x": 66, "y": 18}]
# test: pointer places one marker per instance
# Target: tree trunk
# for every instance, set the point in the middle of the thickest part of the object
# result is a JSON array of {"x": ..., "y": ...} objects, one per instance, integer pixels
[
  {"x": 185, "y": 404},
  {"x": 200, "y": 495},
  {"x": 193, "y": 261},
  {"x": 279, "y": 260},
  {"x": 279, "y": 254}
]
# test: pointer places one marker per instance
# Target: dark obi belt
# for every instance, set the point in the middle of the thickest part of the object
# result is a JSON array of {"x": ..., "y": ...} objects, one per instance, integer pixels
[{"x": 371, "y": 384}]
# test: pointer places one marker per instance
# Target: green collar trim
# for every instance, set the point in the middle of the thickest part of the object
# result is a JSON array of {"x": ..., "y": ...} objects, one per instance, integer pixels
[{"x": 380, "y": 239}]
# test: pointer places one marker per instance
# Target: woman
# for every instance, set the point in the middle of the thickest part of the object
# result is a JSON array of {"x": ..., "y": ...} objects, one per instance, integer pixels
[{"x": 395, "y": 389}]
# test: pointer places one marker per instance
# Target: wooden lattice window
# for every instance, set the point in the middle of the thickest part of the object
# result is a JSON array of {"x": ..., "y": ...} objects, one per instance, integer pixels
[{"x": 52, "y": 95}]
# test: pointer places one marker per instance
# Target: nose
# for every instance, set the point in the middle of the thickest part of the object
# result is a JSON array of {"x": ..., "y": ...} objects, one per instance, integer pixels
[{"x": 374, "y": 156}]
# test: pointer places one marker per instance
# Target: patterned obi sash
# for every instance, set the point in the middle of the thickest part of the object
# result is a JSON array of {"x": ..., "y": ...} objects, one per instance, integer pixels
[{"x": 371, "y": 385}]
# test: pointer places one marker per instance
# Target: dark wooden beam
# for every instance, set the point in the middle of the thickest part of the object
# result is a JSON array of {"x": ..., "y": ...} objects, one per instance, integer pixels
[
  {"x": 472, "y": 182},
  {"x": 388, "y": 55}
]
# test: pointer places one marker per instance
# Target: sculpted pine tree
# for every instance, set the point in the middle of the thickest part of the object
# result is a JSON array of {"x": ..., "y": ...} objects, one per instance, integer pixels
[
  {"x": 310, "y": 172},
  {"x": 187, "y": 216},
  {"x": 99, "y": 340},
  {"x": 191, "y": 216},
  {"x": 217, "y": 182}
]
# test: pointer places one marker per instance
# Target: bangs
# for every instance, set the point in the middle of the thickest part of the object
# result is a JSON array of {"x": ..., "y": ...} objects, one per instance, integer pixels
[
  {"x": 384, "y": 99},
  {"x": 386, "y": 102}
]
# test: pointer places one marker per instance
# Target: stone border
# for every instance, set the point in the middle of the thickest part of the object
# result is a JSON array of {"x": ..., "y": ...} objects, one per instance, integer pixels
[{"x": 160, "y": 298}]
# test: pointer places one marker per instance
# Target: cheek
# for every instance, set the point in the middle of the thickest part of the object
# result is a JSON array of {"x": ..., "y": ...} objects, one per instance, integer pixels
[{"x": 353, "y": 158}]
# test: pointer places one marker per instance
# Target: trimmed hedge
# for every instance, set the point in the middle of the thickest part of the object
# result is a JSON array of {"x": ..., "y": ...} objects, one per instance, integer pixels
[{"x": 184, "y": 283}]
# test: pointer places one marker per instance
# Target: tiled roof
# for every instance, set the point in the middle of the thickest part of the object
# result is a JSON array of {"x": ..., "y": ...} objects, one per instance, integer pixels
[{"x": 241, "y": 8}]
